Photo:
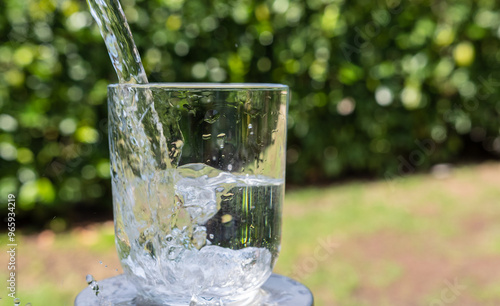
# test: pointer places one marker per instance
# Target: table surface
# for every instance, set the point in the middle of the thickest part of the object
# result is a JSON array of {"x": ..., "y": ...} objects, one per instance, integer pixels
[{"x": 278, "y": 290}]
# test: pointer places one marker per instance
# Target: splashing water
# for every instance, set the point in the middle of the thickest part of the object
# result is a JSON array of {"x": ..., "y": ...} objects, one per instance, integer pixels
[
  {"x": 118, "y": 38},
  {"x": 221, "y": 240},
  {"x": 92, "y": 284}
]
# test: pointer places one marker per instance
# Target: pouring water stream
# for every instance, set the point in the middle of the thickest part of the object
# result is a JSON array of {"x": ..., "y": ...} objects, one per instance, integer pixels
[{"x": 116, "y": 33}]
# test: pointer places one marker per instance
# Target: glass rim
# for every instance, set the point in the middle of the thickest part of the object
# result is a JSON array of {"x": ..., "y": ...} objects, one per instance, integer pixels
[{"x": 205, "y": 86}]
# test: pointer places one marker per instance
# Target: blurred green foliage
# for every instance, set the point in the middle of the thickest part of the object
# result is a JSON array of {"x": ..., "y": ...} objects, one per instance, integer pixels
[{"x": 379, "y": 87}]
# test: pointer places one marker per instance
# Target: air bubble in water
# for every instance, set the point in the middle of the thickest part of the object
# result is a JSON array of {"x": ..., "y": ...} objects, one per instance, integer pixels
[
  {"x": 221, "y": 139},
  {"x": 226, "y": 218},
  {"x": 199, "y": 237},
  {"x": 211, "y": 116},
  {"x": 227, "y": 197}
]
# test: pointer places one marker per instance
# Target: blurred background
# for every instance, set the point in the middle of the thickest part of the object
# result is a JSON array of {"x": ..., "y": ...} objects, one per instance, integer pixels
[{"x": 393, "y": 137}]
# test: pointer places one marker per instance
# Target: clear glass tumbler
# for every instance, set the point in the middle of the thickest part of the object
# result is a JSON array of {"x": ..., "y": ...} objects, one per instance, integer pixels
[{"x": 198, "y": 184}]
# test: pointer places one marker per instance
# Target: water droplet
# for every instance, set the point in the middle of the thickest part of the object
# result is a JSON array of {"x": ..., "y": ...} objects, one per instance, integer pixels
[
  {"x": 100, "y": 262},
  {"x": 206, "y": 136},
  {"x": 28, "y": 304},
  {"x": 250, "y": 126},
  {"x": 89, "y": 278},
  {"x": 106, "y": 266},
  {"x": 221, "y": 135},
  {"x": 179, "y": 143},
  {"x": 211, "y": 116},
  {"x": 95, "y": 287},
  {"x": 169, "y": 238},
  {"x": 227, "y": 218},
  {"x": 17, "y": 301},
  {"x": 227, "y": 197},
  {"x": 199, "y": 237},
  {"x": 211, "y": 236},
  {"x": 207, "y": 100}
]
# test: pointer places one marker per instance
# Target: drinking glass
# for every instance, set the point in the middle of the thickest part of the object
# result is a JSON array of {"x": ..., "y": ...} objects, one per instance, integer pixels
[{"x": 198, "y": 185}]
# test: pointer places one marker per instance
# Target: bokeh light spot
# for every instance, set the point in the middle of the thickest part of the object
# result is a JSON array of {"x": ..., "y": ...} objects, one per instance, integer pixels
[
  {"x": 383, "y": 96},
  {"x": 464, "y": 54},
  {"x": 346, "y": 106},
  {"x": 8, "y": 123}
]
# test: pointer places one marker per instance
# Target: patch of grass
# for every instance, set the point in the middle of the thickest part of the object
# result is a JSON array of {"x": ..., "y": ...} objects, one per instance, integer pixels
[
  {"x": 392, "y": 272},
  {"x": 98, "y": 239},
  {"x": 489, "y": 292},
  {"x": 45, "y": 293}
]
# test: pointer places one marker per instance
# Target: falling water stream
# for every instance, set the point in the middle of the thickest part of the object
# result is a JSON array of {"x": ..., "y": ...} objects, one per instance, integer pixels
[{"x": 116, "y": 33}]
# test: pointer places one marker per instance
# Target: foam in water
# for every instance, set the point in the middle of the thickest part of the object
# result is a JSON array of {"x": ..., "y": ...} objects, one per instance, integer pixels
[{"x": 203, "y": 254}]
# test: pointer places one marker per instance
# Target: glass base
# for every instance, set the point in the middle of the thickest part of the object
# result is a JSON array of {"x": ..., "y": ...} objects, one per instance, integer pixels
[{"x": 277, "y": 290}]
